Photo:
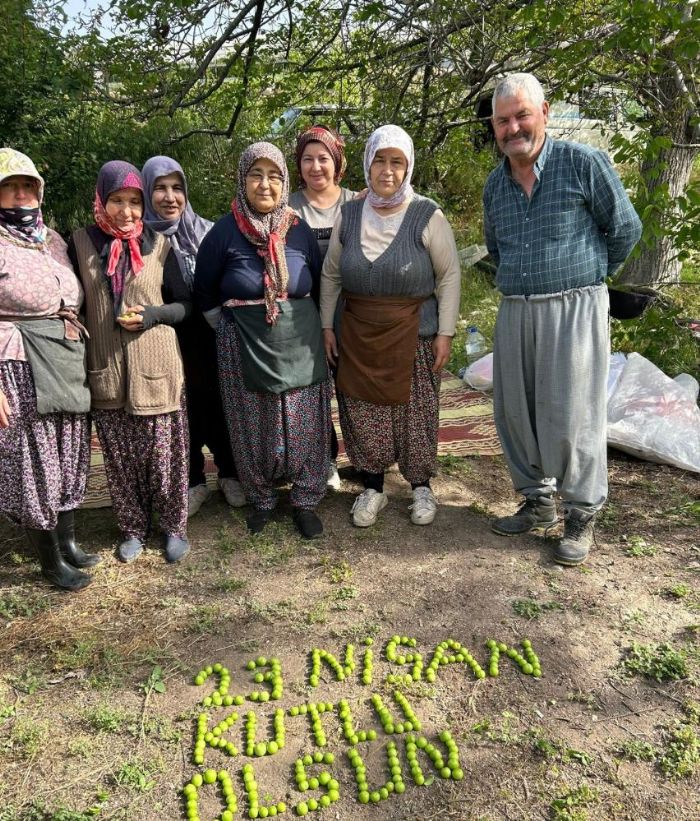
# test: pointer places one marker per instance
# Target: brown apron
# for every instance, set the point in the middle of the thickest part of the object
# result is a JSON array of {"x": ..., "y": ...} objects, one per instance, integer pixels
[{"x": 378, "y": 341}]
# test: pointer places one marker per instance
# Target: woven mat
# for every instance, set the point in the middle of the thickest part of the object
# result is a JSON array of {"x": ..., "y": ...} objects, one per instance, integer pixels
[{"x": 466, "y": 429}]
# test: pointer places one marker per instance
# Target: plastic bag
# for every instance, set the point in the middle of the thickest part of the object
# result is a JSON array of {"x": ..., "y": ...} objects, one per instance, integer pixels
[
  {"x": 653, "y": 417},
  {"x": 479, "y": 375},
  {"x": 617, "y": 365}
]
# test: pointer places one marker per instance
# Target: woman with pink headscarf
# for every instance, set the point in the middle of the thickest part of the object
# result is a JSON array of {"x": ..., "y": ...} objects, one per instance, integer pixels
[
  {"x": 134, "y": 294},
  {"x": 393, "y": 258}
]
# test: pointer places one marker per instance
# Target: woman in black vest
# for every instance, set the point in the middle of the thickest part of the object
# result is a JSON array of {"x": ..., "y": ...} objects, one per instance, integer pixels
[{"x": 393, "y": 257}]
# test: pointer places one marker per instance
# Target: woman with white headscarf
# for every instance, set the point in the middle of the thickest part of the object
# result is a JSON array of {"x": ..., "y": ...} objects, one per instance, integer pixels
[
  {"x": 257, "y": 281},
  {"x": 394, "y": 259}
]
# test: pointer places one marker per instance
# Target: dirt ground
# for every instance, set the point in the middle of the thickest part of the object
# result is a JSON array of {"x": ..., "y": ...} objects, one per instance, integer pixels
[{"x": 85, "y": 730}]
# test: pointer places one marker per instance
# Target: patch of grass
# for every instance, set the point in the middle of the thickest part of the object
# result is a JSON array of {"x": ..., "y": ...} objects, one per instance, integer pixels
[
  {"x": 207, "y": 618},
  {"x": 356, "y": 632},
  {"x": 81, "y": 746},
  {"x": 337, "y": 572},
  {"x": 632, "y": 618},
  {"x": 227, "y": 540},
  {"x": 505, "y": 732},
  {"x": 28, "y": 681},
  {"x": 636, "y": 547},
  {"x": 272, "y": 547},
  {"x": 636, "y": 750},
  {"x": 677, "y": 591},
  {"x": 479, "y": 509},
  {"x": 27, "y": 738},
  {"x": 270, "y": 612},
  {"x": 136, "y": 775},
  {"x": 687, "y": 512},
  {"x": 580, "y": 697},
  {"x": 345, "y": 592},
  {"x": 25, "y": 604},
  {"x": 318, "y": 614},
  {"x": 570, "y": 805},
  {"x": 608, "y": 516},
  {"x": 531, "y": 609},
  {"x": 681, "y": 752},
  {"x": 106, "y": 719},
  {"x": 76, "y": 656},
  {"x": 231, "y": 585},
  {"x": 458, "y": 466},
  {"x": 661, "y": 662}
]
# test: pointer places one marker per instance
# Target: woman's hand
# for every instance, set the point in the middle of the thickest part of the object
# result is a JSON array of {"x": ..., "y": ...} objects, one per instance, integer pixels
[
  {"x": 131, "y": 318},
  {"x": 4, "y": 411},
  {"x": 442, "y": 345},
  {"x": 331, "y": 346}
]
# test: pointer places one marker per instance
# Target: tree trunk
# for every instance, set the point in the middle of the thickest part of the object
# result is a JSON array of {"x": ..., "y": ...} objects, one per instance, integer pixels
[{"x": 658, "y": 264}]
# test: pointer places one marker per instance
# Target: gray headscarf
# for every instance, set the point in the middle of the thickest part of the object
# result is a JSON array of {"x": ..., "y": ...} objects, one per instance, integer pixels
[{"x": 187, "y": 231}]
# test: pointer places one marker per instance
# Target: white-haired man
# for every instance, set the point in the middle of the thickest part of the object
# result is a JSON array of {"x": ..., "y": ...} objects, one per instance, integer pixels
[{"x": 557, "y": 222}]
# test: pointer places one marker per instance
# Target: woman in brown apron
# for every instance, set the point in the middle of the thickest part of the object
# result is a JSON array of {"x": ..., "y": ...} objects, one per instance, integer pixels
[{"x": 393, "y": 258}]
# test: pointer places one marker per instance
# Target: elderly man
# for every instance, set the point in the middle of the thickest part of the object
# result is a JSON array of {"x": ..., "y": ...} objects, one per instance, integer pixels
[{"x": 557, "y": 222}]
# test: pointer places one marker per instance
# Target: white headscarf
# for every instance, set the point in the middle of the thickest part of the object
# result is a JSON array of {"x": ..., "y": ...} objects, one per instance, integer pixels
[{"x": 389, "y": 136}]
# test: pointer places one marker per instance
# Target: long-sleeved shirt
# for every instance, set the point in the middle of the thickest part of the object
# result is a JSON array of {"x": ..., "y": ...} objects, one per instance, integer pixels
[{"x": 576, "y": 228}]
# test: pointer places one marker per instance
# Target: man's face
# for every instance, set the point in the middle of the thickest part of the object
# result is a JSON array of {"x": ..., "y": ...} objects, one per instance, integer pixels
[{"x": 519, "y": 126}]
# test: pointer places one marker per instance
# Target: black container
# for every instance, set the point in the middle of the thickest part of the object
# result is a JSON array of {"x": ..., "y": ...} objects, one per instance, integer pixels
[{"x": 628, "y": 304}]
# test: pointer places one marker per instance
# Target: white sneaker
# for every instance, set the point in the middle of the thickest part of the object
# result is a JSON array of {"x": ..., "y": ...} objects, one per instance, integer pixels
[
  {"x": 333, "y": 476},
  {"x": 196, "y": 497},
  {"x": 367, "y": 506},
  {"x": 233, "y": 492},
  {"x": 424, "y": 506}
]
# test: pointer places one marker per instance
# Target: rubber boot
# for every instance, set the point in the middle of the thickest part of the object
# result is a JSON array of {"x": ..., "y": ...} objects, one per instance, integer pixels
[
  {"x": 66, "y": 541},
  {"x": 53, "y": 567}
]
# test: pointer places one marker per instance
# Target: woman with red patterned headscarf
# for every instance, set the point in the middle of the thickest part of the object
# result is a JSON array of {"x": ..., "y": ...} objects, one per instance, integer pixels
[
  {"x": 320, "y": 159},
  {"x": 134, "y": 293},
  {"x": 257, "y": 280}
]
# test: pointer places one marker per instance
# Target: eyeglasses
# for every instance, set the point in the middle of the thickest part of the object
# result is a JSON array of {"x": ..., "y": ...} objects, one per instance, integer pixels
[{"x": 275, "y": 180}]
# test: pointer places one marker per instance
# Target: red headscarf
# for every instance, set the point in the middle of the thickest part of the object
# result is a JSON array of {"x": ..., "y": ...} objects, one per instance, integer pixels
[{"x": 331, "y": 140}]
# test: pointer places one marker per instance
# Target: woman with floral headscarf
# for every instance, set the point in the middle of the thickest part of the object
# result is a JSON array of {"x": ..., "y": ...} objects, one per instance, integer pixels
[
  {"x": 44, "y": 429},
  {"x": 169, "y": 212},
  {"x": 394, "y": 259},
  {"x": 321, "y": 164},
  {"x": 257, "y": 271},
  {"x": 134, "y": 293}
]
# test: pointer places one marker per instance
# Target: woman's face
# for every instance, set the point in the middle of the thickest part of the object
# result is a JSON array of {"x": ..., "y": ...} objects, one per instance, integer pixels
[
  {"x": 19, "y": 192},
  {"x": 168, "y": 197},
  {"x": 387, "y": 171},
  {"x": 263, "y": 185},
  {"x": 317, "y": 167},
  {"x": 124, "y": 207}
]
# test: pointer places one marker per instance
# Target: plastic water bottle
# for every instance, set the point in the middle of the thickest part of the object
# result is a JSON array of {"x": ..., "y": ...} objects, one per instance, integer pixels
[{"x": 475, "y": 346}]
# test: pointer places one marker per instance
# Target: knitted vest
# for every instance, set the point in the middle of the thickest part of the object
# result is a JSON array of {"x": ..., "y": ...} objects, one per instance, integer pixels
[
  {"x": 140, "y": 371},
  {"x": 403, "y": 269}
]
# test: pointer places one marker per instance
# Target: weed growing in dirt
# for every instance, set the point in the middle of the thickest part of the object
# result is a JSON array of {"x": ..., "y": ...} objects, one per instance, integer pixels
[
  {"x": 637, "y": 547},
  {"x": 271, "y": 612},
  {"x": 337, "y": 571},
  {"x": 356, "y": 632},
  {"x": 27, "y": 738},
  {"x": 135, "y": 775},
  {"x": 681, "y": 753},
  {"x": 154, "y": 682},
  {"x": 458, "y": 466},
  {"x": 689, "y": 511},
  {"x": 677, "y": 591},
  {"x": 28, "y": 681},
  {"x": 531, "y": 609},
  {"x": 662, "y": 662},
  {"x": 106, "y": 719},
  {"x": 15, "y": 605},
  {"x": 207, "y": 618},
  {"x": 632, "y": 618},
  {"x": 231, "y": 585},
  {"x": 272, "y": 547},
  {"x": 636, "y": 750},
  {"x": 569, "y": 806}
]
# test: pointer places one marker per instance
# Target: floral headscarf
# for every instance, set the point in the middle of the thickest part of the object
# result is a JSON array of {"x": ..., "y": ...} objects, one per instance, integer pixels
[
  {"x": 23, "y": 223},
  {"x": 187, "y": 231},
  {"x": 389, "y": 136},
  {"x": 266, "y": 231},
  {"x": 125, "y": 249},
  {"x": 331, "y": 140}
]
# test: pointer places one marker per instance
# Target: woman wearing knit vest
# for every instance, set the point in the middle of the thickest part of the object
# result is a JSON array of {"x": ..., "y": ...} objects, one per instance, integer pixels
[
  {"x": 320, "y": 159},
  {"x": 394, "y": 259},
  {"x": 44, "y": 428},
  {"x": 134, "y": 293},
  {"x": 169, "y": 212},
  {"x": 257, "y": 271}
]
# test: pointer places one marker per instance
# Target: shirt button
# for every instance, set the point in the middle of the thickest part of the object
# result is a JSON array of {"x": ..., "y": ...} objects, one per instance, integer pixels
[
  {"x": 527, "y": 219},
  {"x": 527, "y": 244},
  {"x": 524, "y": 275}
]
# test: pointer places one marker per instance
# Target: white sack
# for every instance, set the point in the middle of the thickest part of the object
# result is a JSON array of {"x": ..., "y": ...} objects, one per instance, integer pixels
[
  {"x": 479, "y": 375},
  {"x": 654, "y": 418}
]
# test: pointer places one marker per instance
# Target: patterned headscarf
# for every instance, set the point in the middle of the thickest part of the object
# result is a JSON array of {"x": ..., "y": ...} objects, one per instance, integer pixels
[
  {"x": 187, "y": 231},
  {"x": 332, "y": 141},
  {"x": 389, "y": 136},
  {"x": 23, "y": 223},
  {"x": 266, "y": 231},
  {"x": 125, "y": 249}
]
